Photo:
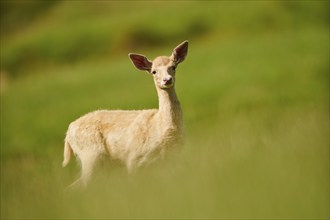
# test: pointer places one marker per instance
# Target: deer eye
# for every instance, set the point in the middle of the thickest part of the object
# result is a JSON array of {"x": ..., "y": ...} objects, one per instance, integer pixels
[
  {"x": 173, "y": 68},
  {"x": 154, "y": 72}
]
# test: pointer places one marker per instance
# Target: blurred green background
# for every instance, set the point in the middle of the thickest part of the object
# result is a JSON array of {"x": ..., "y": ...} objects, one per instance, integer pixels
[{"x": 254, "y": 91}]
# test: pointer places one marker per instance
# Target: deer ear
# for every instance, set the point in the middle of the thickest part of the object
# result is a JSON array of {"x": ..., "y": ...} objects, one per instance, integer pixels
[
  {"x": 140, "y": 62},
  {"x": 180, "y": 52}
]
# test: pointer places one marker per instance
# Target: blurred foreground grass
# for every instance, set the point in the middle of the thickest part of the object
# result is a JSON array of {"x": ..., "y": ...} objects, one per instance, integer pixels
[{"x": 255, "y": 95}]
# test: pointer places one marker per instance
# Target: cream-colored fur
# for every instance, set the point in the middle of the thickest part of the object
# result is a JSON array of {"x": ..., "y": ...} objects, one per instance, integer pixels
[{"x": 134, "y": 137}]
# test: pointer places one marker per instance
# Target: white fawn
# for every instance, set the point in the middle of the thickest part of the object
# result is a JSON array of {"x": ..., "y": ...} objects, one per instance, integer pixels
[{"x": 134, "y": 137}]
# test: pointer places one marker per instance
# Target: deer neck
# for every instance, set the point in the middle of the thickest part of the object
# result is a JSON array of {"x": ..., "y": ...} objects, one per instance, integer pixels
[{"x": 169, "y": 113}]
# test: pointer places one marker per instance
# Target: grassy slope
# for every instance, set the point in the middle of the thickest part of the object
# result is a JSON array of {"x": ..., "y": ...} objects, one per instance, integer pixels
[{"x": 255, "y": 95}]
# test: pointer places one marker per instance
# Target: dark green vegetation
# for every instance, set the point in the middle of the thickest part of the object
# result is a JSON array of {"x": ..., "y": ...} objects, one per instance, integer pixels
[{"x": 254, "y": 90}]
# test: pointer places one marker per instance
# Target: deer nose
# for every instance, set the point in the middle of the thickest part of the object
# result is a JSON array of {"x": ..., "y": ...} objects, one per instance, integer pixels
[{"x": 168, "y": 80}]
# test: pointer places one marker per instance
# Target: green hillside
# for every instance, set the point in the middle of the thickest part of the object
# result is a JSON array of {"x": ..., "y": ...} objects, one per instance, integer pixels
[{"x": 254, "y": 91}]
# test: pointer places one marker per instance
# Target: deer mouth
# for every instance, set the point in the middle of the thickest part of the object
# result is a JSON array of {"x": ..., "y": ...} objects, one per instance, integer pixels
[{"x": 167, "y": 83}]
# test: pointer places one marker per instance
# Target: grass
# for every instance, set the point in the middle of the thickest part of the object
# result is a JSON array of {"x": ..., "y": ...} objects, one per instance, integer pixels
[{"x": 255, "y": 95}]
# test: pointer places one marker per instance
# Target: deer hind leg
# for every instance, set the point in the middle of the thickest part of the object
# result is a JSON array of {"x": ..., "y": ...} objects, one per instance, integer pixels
[{"x": 88, "y": 161}]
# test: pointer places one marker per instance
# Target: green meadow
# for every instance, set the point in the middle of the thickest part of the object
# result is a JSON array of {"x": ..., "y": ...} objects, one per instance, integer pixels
[{"x": 254, "y": 91}]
